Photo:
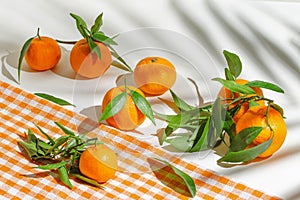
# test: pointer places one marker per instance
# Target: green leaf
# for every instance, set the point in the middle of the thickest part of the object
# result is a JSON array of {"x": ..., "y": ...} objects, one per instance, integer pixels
[
  {"x": 64, "y": 176},
  {"x": 163, "y": 134},
  {"x": 24, "y": 49},
  {"x": 45, "y": 134},
  {"x": 216, "y": 123},
  {"x": 201, "y": 143},
  {"x": 114, "y": 106},
  {"x": 54, "y": 99},
  {"x": 52, "y": 166},
  {"x": 266, "y": 85},
  {"x": 229, "y": 125},
  {"x": 180, "y": 120},
  {"x": 241, "y": 140},
  {"x": 253, "y": 103},
  {"x": 61, "y": 140},
  {"x": 119, "y": 65},
  {"x": 247, "y": 154},
  {"x": 44, "y": 145},
  {"x": 88, "y": 180},
  {"x": 64, "y": 129},
  {"x": 234, "y": 63},
  {"x": 117, "y": 56},
  {"x": 278, "y": 108},
  {"x": 218, "y": 115},
  {"x": 98, "y": 23},
  {"x": 143, "y": 105},
  {"x": 80, "y": 23},
  {"x": 100, "y": 37},
  {"x": 189, "y": 182},
  {"x": 229, "y": 75},
  {"x": 181, "y": 143},
  {"x": 181, "y": 104},
  {"x": 94, "y": 47},
  {"x": 164, "y": 117},
  {"x": 31, "y": 137},
  {"x": 233, "y": 86},
  {"x": 30, "y": 148}
]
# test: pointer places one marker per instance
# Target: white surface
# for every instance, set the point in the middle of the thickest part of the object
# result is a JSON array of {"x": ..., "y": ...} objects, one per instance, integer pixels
[{"x": 265, "y": 34}]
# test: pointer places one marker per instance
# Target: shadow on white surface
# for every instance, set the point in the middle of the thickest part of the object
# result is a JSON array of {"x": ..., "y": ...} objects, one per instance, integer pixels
[{"x": 62, "y": 69}]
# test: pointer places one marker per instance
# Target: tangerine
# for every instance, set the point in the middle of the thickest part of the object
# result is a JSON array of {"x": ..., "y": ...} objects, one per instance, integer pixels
[
  {"x": 87, "y": 63},
  {"x": 154, "y": 75},
  {"x": 43, "y": 53},
  {"x": 273, "y": 126},
  {"x": 129, "y": 117},
  {"x": 99, "y": 163},
  {"x": 228, "y": 96}
]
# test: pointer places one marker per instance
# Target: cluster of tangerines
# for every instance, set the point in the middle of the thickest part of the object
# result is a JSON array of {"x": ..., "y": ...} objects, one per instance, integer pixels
[
  {"x": 90, "y": 57},
  {"x": 254, "y": 111},
  {"x": 125, "y": 107}
]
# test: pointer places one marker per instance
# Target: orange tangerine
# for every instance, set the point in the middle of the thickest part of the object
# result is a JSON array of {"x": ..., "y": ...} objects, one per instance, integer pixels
[
  {"x": 99, "y": 163},
  {"x": 273, "y": 126},
  {"x": 130, "y": 117},
  {"x": 43, "y": 53},
  {"x": 154, "y": 75},
  {"x": 86, "y": 63}
]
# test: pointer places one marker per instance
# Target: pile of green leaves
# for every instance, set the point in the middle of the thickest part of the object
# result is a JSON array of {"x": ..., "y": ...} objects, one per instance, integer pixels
[
  {"x": 206, "y": 126},
  {"x": 61, "y": 154}
]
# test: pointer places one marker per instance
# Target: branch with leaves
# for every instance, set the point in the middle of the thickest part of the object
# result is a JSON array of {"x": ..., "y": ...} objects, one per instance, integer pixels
[
  {"x": 95, "y": 34},
  {"x": 61, "y": 154},
  {"x": 206, "y": 126}
]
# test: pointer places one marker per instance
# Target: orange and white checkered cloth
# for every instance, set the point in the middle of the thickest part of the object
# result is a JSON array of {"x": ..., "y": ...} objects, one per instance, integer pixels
[{"x": 19, "y": 110}]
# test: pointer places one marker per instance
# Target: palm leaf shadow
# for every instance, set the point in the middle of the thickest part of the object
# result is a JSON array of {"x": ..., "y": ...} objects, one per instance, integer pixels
[{"x": 245, "y": 43}]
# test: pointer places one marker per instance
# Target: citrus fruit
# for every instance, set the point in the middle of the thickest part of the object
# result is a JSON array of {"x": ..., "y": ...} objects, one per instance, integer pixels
[
  {"x": 87, "y": 63},
  {"x": 154, "y": 75},
  {"x": 129, "y": 117},
  {"x": 228, "y": 96},
  {"x": 274, "y": 126},
  {"x": 43, "y": 53},
  {"x": 99, "y": 163}
]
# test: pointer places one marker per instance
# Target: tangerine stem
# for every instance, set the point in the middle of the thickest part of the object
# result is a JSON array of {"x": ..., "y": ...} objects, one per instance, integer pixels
[
  {"x": 66, "y": 42},
  {"x": 38, "y": 34}
]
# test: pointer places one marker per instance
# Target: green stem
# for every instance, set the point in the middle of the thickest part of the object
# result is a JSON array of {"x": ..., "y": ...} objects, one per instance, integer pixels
[
  {"x": 244, "y": 99},
  {"x": 66, "y": 42},
  {"x": 38, "y": 34}
]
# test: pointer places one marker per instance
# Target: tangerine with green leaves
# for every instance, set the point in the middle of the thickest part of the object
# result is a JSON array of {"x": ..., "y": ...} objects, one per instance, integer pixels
[
  {"x": 272, "y": 123},
  {"x": 43, "y": 53},
  {"x": 228, "y": 96},
  {"x": 99, "y": 163},
  {"x": 154, "y": 75},
  {"x": 86, "y": 63},
  {"x": 129, "y": 117}
]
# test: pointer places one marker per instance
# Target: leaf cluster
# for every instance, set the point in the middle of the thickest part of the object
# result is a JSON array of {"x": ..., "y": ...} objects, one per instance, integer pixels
[
  {"x": 205, "y": 127},
  {"x": 61, "y": 154},
  {"x": 94, "y": 34}
]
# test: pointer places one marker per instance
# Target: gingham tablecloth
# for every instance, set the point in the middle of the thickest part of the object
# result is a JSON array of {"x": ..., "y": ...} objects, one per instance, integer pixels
[{"x": 19, "y": 110}]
